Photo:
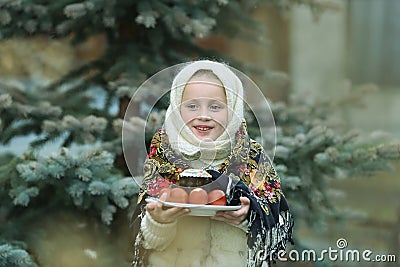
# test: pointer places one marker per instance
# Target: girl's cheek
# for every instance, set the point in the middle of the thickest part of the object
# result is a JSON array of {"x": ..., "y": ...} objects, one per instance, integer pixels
[{"x": 185, "y": 116}]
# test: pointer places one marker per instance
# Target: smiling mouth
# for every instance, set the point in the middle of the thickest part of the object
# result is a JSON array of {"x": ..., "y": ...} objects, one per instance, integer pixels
[{"x": 203, "y": 129}]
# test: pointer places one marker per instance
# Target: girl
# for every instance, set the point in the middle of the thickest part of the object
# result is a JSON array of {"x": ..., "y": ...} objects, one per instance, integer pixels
[{"x": 204, "y": 128}]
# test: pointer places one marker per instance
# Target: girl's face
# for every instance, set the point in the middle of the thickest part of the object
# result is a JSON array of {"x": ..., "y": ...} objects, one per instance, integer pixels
[{"x": 204, "y": 109}]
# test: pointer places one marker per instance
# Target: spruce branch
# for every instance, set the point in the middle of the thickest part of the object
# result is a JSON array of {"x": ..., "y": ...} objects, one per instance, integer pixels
[
  {"x": 86, "y": 177},
  {"x": 12, "y": 255},
  {"x": 313, "y": 148}
]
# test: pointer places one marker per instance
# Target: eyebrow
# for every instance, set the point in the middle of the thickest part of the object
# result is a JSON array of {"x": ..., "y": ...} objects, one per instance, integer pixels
[{"x": 212, "y": 100}]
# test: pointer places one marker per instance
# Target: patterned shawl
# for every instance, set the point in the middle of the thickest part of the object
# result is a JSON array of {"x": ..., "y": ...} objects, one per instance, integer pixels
[{"x": 270, "y": 221}]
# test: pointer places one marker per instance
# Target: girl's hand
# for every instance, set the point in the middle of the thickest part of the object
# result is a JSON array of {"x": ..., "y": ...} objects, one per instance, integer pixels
[
  {"x": 162, "y": 215},
  {"x": 234, "y": 216}
]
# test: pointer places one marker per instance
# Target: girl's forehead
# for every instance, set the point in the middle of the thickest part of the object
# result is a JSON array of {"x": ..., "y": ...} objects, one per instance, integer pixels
[{"x": 203, "y": 90}]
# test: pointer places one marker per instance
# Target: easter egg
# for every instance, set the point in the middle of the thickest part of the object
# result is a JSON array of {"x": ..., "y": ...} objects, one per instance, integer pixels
[
  {"x": 217, "y": 197},
  {"x": 198, "y": 196},
  {"x": 163, "y": 191},
  {"x": 178, "y": 195}
]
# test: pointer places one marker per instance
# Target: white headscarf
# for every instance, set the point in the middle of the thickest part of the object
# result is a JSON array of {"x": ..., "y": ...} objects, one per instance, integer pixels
[{"x": 181, "y": 138}]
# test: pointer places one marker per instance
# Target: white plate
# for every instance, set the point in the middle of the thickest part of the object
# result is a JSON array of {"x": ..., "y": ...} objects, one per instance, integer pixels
[{"x": 195, "y": 210}]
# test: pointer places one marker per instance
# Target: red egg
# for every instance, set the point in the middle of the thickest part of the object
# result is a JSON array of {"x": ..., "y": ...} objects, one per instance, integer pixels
[
  {"x": 217, "y": 197},
  {"x": 198, "y": 196},
  {"x": 178, "y": 195}
]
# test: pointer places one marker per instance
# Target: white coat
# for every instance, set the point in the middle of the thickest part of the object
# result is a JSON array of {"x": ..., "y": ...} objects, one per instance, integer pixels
[{"x": 194, "y": 241}]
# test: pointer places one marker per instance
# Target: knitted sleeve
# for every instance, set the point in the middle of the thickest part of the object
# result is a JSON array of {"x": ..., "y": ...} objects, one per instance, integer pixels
[{"x": 157, "y": 235}]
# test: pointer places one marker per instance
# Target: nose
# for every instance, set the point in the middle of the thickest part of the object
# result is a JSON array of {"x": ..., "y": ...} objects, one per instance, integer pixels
[
  {"x": 204, "y": 118},
  {"x": 204, "y": 114}
]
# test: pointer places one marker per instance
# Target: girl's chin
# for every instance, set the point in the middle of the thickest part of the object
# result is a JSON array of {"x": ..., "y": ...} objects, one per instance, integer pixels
[{"x": 204, "y": 138}]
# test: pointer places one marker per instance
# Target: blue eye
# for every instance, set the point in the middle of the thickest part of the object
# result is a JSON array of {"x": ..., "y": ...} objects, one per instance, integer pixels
[
  {"x": 215, "y": 107},
  {"x": 191, "y": 106}
]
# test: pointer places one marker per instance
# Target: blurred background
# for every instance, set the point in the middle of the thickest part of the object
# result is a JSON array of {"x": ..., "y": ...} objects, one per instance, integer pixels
[
  {"x": 356, "y": 42},
  {"x": 310, "y": 55}
]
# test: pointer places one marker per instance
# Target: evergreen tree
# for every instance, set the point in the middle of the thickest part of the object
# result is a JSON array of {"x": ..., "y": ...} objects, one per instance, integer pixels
[{"x": 142, "y": 37}]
